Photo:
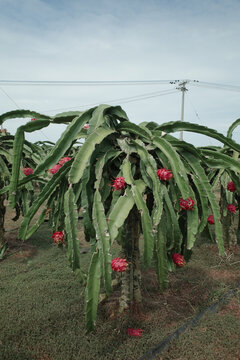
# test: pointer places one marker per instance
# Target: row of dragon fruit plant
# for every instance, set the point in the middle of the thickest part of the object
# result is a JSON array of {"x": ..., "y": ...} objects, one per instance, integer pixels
[{"x": 127, "y": 179}]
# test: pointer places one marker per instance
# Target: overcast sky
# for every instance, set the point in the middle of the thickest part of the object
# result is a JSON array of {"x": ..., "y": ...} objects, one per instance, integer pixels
[{"x": 122, "y": 40}]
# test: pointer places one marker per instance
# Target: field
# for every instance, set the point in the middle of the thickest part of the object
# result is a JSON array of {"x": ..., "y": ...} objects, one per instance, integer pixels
[{"x": 42, "y": 310}]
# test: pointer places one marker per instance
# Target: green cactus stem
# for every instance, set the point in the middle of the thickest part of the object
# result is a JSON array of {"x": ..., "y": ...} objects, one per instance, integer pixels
[
  {"x": 131, "y": 278},
  {"x": 2, "y": 215},
  {"x": 229, "y": 223}
]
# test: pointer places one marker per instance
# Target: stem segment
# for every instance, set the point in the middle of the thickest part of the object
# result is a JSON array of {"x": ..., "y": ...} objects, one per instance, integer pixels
[{"x": 131, "y": 279}]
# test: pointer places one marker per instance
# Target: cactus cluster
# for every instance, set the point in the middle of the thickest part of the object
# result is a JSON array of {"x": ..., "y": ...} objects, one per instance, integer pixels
[
  {"x": 29, "y": 156},
  {"x": 126, "y": 180}
]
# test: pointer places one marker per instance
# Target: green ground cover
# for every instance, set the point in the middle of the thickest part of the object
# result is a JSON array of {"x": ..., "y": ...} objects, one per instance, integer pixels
[{"x": 42, "y": 316}]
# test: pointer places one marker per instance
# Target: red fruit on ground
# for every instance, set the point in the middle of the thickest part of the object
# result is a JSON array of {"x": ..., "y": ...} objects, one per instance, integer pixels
[{"x": 134, "y": 332}]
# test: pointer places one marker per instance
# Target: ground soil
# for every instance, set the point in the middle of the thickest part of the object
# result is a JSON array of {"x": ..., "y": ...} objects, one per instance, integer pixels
[{"x": 191, "y": 289}]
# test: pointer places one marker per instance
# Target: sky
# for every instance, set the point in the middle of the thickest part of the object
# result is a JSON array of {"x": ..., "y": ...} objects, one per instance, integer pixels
[{"x": 109, "y": 40}]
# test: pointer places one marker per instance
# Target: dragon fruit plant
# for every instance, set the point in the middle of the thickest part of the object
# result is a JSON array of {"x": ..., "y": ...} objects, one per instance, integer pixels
[
  {"x": 224, "y": 177},
  {"x": 27, "y": 159},
  {"x": 132, "y": 183}
]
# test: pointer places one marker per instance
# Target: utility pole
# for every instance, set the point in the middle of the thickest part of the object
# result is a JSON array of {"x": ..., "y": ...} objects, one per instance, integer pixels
[{"x": 182, "y": 88}]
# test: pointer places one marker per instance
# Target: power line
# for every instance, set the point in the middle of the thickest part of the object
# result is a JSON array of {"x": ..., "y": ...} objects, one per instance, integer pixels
[
  {"x": 197, "y": 115},
  {"x": 82, "y": 82},
  {"x": 10, "y": 98},
  {"x": 195, "y": 111},
  {"x": 152, "y": 96},
  {"x": 128, "y": 99},
  {"x": 180, "y": 85},
  {"x": 217, "y": 86},
  {"x": 14, "y": 102},
  {"x": 122, "y": 100},
  {"x": 117, "y": 83}
]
